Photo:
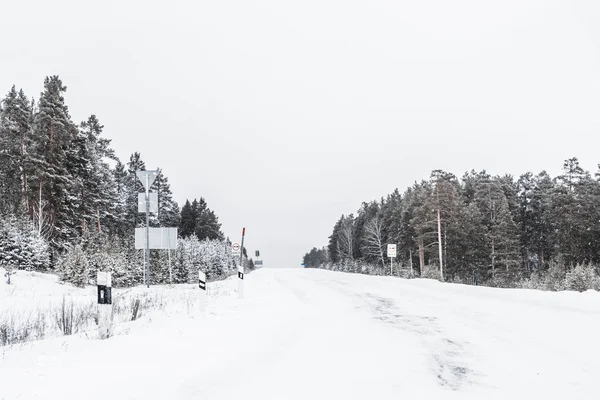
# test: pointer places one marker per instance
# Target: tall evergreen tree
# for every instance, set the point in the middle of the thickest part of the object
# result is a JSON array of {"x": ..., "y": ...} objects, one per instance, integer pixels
[
  {"x": 15, "y": 147},
  {"x": 51, "y": 187}
]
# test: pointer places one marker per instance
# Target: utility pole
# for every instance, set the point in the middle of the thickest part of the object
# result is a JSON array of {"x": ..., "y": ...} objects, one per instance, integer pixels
[
  {"x": 439, "y": 224},
  {"x": 147, "y": 231}
]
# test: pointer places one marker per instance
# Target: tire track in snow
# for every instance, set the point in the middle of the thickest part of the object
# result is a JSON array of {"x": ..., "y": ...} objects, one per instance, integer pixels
[{"x": 448, "y": 355}]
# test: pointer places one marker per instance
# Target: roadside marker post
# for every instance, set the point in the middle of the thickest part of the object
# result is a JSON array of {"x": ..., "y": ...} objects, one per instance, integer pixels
[
  {"x": 202, "y": 295},
  {"x": 391, "y": 253},
  {"x": 103, "y": 281},
  {"x": 257, "y": 263},
  {"x": 238, "y": 249}
]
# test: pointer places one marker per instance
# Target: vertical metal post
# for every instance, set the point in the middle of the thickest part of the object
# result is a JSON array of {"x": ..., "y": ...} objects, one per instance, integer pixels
[
  {"x": 241, "y": 268},
  {"x": 242, "y": 249},
  {"x": 169, "y": 253},
  {"x": 391, "y": 265},
  {"x": 147, "y": 231}
]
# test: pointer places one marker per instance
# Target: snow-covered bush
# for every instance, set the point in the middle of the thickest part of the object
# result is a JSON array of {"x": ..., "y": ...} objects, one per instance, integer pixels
[
  {"x": 21, "y": 246},
  {"x": 555, "y": 276},
  {"x": 73, "y": 267},
  {"x": 211, "y": 256},
  {"x": 581, "y": 278},
  {"x": 534, "y": 282},
  {"x": 107, "y": 253},
  {"x": 431, "y": 272}
]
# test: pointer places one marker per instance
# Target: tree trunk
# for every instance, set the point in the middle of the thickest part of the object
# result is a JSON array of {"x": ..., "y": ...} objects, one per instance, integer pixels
[
  {"x": 421, "y": 254},
  {"x": 439, "y": 223},
  {"x": 493, "y": 260},
  {"x": 98, "y": 219},
  {"x": 40, "y": 217}
]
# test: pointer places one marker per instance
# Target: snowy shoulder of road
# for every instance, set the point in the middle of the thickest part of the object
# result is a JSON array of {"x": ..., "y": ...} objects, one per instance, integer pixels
[{"x": 313, "y": 334}]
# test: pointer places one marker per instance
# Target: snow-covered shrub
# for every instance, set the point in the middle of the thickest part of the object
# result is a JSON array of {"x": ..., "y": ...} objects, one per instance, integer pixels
[
  {"x": 555, "y": 276},
  {"x": 107, "y": 253},
  {"x": 582, "y": 278},
  {"x": 211, "y": 256},
  {"x": 21, "y": 328},
  {"x": 74, "y": 266},
  {"x": 431, "y": 272},
  {"x": 534, "y": 282},
  {"x": 21, "y": 246}
]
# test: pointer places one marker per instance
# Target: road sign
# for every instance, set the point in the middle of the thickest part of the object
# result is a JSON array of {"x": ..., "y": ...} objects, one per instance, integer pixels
[
  {"x": 236, "y": 249},
  {"x": 257, "y": 253},
  {"x": 391, "y": 250},
  {"x": 160, "y": 238},
  {"x": 153, "y": 197},
  {"x": 147, "y": 178},
  {"x": 258, "y": 263}
]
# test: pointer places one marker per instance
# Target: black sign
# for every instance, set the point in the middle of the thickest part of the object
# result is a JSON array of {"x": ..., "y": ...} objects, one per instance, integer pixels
[
  {"x": 202, "y": 285},
  {"x": 240, "y": 275},
  {"x": 104, "y": 294}
]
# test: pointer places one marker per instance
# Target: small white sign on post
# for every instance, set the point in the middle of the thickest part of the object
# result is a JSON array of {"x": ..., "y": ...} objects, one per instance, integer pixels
[
  {"x": 391, "y": 250},
  {"x": 236, "y": 249},
  {"x": 391, "y": 253}
]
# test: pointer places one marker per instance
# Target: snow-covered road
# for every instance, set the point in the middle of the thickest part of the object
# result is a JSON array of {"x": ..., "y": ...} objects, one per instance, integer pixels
[{"x": 313, "y": 334}]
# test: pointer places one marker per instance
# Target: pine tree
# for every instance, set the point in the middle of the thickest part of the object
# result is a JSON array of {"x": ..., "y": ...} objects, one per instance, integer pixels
[
  {"x": 51, "y": 186},
  {"x": 97, "y": 188},
  {"x": 566, "y": 204},
  {"x": 334, "y": 254},
  {"x": 15, "y": 147},
  {"x": 187, "y": 222},
  {"x": 168, "y": 210}
]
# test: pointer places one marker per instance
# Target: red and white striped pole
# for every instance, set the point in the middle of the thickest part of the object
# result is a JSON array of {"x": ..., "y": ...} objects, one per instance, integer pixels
[{"x": 241, "y": 268}]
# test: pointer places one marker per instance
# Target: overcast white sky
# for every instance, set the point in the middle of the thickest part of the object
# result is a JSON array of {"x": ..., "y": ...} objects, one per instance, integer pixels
[{"x": 284, "y": 115}]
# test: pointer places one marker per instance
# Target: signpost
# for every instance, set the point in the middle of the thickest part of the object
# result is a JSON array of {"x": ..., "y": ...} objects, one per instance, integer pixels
[
  {"x": 152, "y": 238},
  {"x": 237, "y": 250},
  {"x": 202, "y": 295},
  {"x": 257, "y": 263},
  {"x": 147, "y": 178},
  {"x": 103, "y": 282},
  {"x": 391, "y": 253}
]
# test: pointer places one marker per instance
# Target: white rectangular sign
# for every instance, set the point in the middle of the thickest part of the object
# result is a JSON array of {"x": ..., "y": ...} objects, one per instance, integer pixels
[
  {"x": 103, "y": 279},
  {"x": 160, "y": 238},
  {"x": 391, "y": 250},
  {"x": 153, "y": 196}
]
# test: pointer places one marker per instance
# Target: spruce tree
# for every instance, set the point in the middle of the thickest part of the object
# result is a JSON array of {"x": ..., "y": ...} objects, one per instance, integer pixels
[
  {"x": 51, "y": 187},
  {"x": 15, "y": 148}
]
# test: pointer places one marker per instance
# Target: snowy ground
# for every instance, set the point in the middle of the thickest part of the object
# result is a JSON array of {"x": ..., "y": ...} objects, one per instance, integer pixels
[{"x": 313, "y": 334}]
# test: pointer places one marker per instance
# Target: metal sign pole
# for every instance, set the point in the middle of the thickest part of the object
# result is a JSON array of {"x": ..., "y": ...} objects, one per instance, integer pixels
[
  {"x": 241, "y": 267},
  {"x": 147, "y": 231},
  {"x": 169, "y": 254}
]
